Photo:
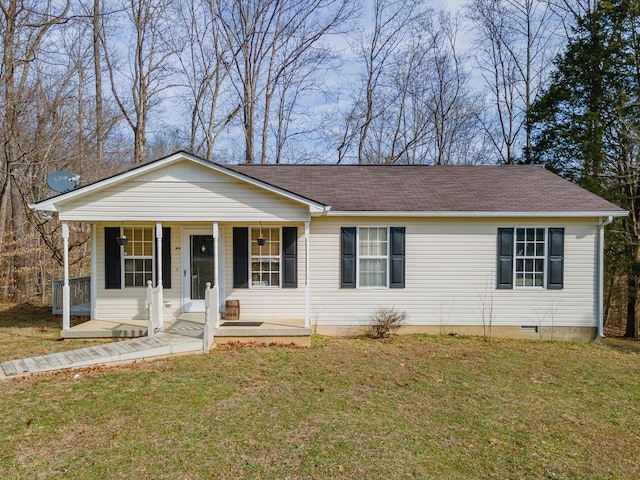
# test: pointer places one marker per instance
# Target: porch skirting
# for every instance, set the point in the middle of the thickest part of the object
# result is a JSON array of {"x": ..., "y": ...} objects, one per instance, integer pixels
[{"x": 265, "y": 333}]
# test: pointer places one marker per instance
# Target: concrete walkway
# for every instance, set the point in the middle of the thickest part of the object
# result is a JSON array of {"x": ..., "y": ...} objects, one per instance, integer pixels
[{"x": 160, "y": 345}]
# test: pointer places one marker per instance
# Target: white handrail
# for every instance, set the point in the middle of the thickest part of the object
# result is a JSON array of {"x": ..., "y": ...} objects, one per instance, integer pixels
[
  {"x": 154, "y": 307},
  {"x": 80, "y": 293}
]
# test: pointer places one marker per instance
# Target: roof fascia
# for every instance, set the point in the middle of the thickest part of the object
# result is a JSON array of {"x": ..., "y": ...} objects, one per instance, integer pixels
[{"x": 619, "y": 213}]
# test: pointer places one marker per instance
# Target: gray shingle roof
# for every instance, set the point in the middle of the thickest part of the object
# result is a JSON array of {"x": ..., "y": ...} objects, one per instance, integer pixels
[{"x": 459, "y": 188}]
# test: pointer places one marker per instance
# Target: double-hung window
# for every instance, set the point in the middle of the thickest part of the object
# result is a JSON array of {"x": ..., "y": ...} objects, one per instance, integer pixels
[
  {"x": 134, "y": 264},
  {"x": 138, "y": 256},
  {"x": 265, "y": 257},
  {"x": 372, "y": 257},
  {"x": 530, "y": 257}
]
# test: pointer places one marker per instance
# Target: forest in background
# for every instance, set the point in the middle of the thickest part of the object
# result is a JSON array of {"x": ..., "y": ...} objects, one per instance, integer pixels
[{"x": 92, "y": 86}]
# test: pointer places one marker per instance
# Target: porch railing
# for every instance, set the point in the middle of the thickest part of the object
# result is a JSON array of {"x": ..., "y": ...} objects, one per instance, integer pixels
[
  {"x": 154, "y": 307},
  {"x": 80, "y": 296},
  {"x": 211, "y": 315}
]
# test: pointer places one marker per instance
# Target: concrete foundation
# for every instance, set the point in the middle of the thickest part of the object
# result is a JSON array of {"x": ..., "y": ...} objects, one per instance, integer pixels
[{"x": 526, "y": 332}]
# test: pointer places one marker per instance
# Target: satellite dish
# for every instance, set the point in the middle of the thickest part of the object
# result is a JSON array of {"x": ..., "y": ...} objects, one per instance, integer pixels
[{"x": 62, "y": 181}]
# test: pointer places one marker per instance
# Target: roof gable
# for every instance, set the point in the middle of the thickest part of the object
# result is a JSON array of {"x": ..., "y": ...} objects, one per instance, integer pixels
[{"x": 164, "y": 170}]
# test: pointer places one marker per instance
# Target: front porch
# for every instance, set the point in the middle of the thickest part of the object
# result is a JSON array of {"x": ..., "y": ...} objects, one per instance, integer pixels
[
  {"x": 192, "y": 272},
  {"x": 285, "y": 331}
]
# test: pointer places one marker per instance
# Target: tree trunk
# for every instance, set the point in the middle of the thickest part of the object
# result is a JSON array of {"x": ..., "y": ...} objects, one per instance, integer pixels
[
  {"x": 99, "y": 126},
  {"x": 632, "y": 293}
]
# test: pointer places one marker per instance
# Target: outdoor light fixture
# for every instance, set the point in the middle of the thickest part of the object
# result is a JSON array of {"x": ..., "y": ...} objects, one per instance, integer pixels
[
  {"x": 261, "y": 240},
  {"x": 122, "y": 240},
  {"x": 203, "y": 248}
]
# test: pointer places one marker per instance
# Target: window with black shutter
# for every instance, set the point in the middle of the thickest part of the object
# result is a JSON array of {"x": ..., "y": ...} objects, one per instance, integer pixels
[
  {"x": 372, "y": 257},
  {"x": 530, "y": 257}
]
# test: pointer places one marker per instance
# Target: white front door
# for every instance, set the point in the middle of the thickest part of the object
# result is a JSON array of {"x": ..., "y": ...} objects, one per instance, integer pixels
[{"x": 198, "y": 267}]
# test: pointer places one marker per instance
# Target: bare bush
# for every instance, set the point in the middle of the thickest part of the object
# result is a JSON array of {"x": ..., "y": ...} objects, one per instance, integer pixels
[{"x": 385, "y": 320}]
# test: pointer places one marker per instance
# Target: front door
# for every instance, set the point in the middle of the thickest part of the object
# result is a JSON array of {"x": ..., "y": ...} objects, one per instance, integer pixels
[{"x": 198, "y": 267}]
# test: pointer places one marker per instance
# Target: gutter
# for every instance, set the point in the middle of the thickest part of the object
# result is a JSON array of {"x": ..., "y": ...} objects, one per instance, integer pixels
[
  {"x": 475, "y": 214},
  {"x": 603, "y": 223}
]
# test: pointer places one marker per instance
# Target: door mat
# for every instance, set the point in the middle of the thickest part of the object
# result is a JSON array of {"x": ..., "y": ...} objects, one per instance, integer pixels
[{"x": 241, "y": 324}]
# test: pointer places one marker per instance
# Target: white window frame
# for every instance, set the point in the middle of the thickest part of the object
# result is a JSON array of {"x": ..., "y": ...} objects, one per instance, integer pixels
[
  {"x": 124, "y": 257},
  {"x": 372, "y": 257},
  {"x": 260, "y": 257},
  {"x": 525, "y": 257}
]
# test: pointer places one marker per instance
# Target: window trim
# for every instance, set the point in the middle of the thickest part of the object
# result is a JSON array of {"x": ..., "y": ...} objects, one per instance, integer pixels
[
  {"x": 124, "y": 257},
  {"x": 374, "y": 257},
  {"x": 555, "y": 258},
  {"x": 251, "y": 256},
  {"x": 545, "y": 258}
]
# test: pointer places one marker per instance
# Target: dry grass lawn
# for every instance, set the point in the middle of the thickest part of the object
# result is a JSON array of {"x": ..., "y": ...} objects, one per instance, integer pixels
[{"x": 407, "y": 407}]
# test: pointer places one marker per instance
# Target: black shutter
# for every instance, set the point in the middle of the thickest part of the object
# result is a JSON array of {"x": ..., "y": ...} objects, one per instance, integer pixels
[
  {"x": 396, "y": 277},
  {"x": 348, "y": 257},
  {"x": 166, "y": 257},
  {"x": 112, "y": 266},
  {"x": 290, "y": 257},
  {"x": 555, "y": 271},
  {"x": 240, "y": 257},
  {"x": 505, "y": 258}
]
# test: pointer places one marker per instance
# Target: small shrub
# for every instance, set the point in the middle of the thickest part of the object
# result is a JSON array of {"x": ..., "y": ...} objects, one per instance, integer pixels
[{"x": 385, "y": 320}]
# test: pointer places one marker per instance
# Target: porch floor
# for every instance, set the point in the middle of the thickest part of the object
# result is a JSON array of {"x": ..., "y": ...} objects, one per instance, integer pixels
[{"x": 192, "y": 324}]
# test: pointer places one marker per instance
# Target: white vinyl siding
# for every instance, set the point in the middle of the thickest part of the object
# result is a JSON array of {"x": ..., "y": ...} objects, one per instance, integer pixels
[
  {"x": 184, "y": 192},
  {"x": 255, "y": 303},
  {"x": 130, "y": 303},
  {"x": 266, "y": 303},
  {"x": 450, "y": 275}
]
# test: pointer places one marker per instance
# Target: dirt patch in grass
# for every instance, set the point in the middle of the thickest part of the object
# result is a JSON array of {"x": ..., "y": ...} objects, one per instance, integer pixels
[{"x": 622, "y": 344}]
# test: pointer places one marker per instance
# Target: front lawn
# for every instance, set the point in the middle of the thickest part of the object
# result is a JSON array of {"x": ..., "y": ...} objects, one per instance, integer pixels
[{"x": 408, "y": 407}]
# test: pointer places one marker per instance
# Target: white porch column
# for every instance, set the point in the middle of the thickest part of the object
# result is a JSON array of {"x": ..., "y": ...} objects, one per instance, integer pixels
[
  {"x": 94, "y": 271},
  {"x": 66, "y": 290},
  {"x": 216, "y": 282},
  {"x": 307, "y": 319},
  {"x": 159, "y": 270}
]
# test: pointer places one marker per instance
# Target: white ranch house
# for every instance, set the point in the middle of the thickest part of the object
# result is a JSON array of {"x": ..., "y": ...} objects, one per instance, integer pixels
[{"x": 316, "y": 249}]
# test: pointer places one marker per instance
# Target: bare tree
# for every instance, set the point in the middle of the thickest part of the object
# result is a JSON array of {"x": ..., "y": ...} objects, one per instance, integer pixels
[
  {"x": 392, "y": 21},
  {"x": 150, "y": 68},
  {"x": 415, "y": 105},
  {"x": 205, "y": 66},
  {"x": 268, "y": 38},
  {"x": 97, "y": 69},
  {"x": 24, "y": 29},
  {"x": 568, "y": 12},
  {"x": 515, "y": 48},
  {"x": 288, "y": 121}
]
